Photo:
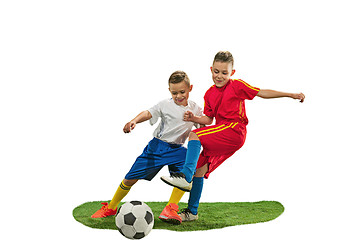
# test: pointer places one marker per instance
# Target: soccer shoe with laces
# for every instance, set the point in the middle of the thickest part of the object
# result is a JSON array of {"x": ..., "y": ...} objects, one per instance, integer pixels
[
  {"x": 169, "y": 214},
  {"x": 104, "y": 211},
  {"x": 178, "y": 180},
  {"x": 187, "y": 216}
]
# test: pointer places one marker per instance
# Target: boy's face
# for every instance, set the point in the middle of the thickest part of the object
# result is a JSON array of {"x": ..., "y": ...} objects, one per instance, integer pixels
[
  {"x": 221, "y": 73},
  {"x": 180, "y": 92}
]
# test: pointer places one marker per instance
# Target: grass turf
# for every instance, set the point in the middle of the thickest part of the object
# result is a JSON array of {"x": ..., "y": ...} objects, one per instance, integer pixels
[{"x": 211, "y": 215}]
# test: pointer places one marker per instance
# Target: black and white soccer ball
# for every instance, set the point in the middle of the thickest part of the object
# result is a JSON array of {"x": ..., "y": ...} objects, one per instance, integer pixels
[{"x": 134, "y": 219}]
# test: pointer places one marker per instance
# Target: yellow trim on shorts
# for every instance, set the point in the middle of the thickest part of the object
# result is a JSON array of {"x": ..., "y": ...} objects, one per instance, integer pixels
[
  {"x": 214, "y": 130},
  {"x": 210, "y": 129}
]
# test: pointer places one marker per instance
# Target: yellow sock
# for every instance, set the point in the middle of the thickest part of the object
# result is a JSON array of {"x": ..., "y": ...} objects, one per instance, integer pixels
[
  {"x": 119, "y": 195},
  {"x": 176, "y": 196}
]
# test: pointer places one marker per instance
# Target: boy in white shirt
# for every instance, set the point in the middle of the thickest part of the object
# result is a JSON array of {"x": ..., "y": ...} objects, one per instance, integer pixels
[{"x": 166, "y": 148}]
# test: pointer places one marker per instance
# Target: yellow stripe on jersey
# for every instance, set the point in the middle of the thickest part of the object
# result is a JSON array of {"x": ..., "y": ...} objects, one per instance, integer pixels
[{"x": 246, "y": 84}]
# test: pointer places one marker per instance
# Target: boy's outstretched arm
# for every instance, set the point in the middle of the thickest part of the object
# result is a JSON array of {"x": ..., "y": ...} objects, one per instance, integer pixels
[
  {"x": 141, "y": 117},
  {"x": 267, "y": 93}
]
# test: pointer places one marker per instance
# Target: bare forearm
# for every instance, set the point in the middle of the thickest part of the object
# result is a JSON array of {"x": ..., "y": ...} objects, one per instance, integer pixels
[
  {"x": 267, "y": 93},
  {"x": 142, "y": 117},
  {"x": 203, "y": 120}
]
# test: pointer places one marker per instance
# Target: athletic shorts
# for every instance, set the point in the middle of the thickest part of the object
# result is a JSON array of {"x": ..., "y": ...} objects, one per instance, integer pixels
[
  {"x": 219, "y": 142},
  {"x": 156, "y": 155}
]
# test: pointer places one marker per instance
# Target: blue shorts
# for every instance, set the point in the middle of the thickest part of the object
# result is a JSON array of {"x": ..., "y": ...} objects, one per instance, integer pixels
[{"x": 156, "y": 155}]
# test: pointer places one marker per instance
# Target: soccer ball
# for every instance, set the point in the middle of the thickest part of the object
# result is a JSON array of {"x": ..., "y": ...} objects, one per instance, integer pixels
[{"x": 134, "y": 219}]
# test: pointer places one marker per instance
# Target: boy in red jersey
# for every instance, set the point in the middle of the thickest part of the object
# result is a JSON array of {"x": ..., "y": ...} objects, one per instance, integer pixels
[{"x": 224, "y": 101}]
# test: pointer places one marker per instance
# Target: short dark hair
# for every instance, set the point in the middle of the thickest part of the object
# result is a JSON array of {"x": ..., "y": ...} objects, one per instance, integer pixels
[
  {"x": 224, "y": 56},
  {"x": 179, "y": 76}
]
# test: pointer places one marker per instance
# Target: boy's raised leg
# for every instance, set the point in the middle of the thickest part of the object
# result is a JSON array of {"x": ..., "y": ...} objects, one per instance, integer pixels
[
  {"x": 183, "y": 180},
  {"x": 192, "y": 156}
]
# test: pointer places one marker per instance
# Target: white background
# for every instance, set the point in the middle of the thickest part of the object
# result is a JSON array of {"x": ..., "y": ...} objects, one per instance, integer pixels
[{"x": 74, "y": 72}]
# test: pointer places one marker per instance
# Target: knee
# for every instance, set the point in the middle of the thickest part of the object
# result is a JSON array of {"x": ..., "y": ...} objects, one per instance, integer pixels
[
  {"x": 200, "y": 172},
  {"x": 193, "y": 136},
  {"x": 130, "y": 182}
]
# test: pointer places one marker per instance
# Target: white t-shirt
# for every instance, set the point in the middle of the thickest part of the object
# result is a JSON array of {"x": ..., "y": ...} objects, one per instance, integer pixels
[{"x": 172, "y": 128}]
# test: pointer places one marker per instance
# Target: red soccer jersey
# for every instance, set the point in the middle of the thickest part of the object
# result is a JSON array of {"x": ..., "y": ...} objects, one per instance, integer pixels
[{"x": 227, "y": 104}]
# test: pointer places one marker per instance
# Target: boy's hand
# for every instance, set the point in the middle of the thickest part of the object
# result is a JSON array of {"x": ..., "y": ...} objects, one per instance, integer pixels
[
  {"x": 129, "y": 126},
  {"x": 299, "y": 96},
  {"x": 188, "y": 116}
]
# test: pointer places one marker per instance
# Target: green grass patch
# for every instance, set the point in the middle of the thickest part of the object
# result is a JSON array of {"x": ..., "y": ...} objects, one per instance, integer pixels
[{"x": 211, "y": 215}]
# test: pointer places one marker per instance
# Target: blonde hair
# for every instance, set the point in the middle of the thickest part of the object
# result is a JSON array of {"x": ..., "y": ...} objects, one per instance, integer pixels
[
  {"x": 179, "y": 76},
  {"x": 224, "y": 56}
]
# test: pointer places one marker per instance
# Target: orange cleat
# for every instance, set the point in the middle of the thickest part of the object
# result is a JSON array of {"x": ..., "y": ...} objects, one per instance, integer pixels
[
  {"x": 104, "y": 211},
  {"x": 169, "y": 214}
]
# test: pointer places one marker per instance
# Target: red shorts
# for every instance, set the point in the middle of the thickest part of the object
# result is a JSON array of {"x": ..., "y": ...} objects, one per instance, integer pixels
[{"x": 219, "y": 142}]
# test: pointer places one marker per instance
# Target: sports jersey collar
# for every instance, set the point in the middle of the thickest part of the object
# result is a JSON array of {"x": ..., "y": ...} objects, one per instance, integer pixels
[
  {"x": 223, "y": 87},
  {"x": 172, "y": 100}
]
